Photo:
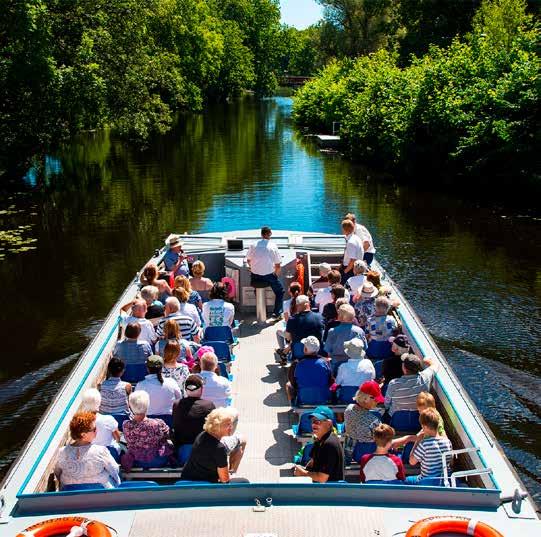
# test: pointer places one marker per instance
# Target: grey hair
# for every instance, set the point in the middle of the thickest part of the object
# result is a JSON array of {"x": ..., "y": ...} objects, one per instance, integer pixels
[
  {"x": 302, "y": 300},
  {"x": 91, "y": 400},
  {"x": 149, "y": 293},
  {"x": 341, "y": 302},
  {"x": 139, "y": 401},
  {"x": 382, "y": 302},
  {"x": 360, "y": 267},
  {"x": 346, "y": 311},
  {"x": 173, "y": 303}
]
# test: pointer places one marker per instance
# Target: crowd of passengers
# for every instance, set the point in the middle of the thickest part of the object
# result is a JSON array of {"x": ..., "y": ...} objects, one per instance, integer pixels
[{"x": 345, "y": 325}]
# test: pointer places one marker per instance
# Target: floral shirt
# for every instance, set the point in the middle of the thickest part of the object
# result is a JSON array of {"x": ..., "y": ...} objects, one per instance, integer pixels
[
  {"x": 359, "y": 423},
  {"x": 146, "y": 440},
  {"x": 364, "y": 309},
  {"x": 381, "y": 327},
  {"x": 179, "y": 374}
]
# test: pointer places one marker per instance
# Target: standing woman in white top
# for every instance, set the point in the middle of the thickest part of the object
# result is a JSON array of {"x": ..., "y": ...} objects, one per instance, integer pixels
[
  {"x": 217, "y": 311},
  {"x": 265, "y": 263},
  {"x": 363, "y": 234},
  {"x": 354, "y": 250}
]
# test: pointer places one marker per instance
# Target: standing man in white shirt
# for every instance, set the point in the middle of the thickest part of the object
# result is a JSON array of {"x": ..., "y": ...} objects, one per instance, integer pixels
[
  {"x": 354, "y": 250},
  {"x": 366, "y": 238},
  {"x": 265, "y": 263}
]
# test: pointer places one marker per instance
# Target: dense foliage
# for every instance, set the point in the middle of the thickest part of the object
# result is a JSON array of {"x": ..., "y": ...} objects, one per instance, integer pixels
[
  {"x": 471, "y": 108},
  {"x": 68, "y": 65}
]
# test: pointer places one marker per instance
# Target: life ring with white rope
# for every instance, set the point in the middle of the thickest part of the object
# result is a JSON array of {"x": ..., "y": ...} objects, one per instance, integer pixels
[
  {"x": 71, "y": 525},
  {"x": 450, "y": 524}
]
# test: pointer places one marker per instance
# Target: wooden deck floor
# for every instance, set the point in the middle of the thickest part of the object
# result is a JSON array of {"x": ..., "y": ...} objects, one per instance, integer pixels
[{"x": 259, "y": 396}]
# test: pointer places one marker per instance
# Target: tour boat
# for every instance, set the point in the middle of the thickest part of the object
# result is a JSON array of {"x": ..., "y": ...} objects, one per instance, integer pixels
[{"x": 482, "y": 496}]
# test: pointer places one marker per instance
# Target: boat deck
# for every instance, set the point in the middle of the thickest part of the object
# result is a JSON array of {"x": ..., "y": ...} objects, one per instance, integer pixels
[{"x": 265, "y": 414}]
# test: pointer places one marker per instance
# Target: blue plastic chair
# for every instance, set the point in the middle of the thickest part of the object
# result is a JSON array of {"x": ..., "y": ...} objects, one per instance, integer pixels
[
  {"x": 406, "y": 452},
  {"x": 221, "y": 350},
  {"x": 345, "y": 394},
  {"x": 363, "y": 448},
  {"x": 297, "y": 350},
  {"x": 405, "y": 420},
  {"x": 135, "y": 484},
  {"x": 183, "y": 453},
  {"x": 134, "y": 373},
  {"x": 168, "y": 418},
  {"x": 379, "y": 349},
  {"x": 219, "y": 333},
  {"x": 82, "y": 486},
  {"x": 379, "y": 482},
  {"x": 120, "y": 419},
  {"x": 313, "y": 395},
  {"x": 378, "y": 366},
  {"x": 185, "y": 483},
  {"x": 306, "y": 454},
  {"x": 222, "y": 366}
]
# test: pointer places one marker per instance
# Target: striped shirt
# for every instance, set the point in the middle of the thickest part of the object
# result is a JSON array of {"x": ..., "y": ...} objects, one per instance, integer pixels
[
  {"x": 132, "y": 351},
  {"x": 114, "y": 398},
  {"x": 429, "y": 453},
  {"x": 402, "y": 392},
  {"x": 186, "y": 324}
]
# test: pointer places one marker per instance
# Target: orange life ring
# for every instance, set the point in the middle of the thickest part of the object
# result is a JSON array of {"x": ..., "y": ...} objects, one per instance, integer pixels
[
  {"x": 449, "y": 524},
  {"x": 63, "y": 525},
  {"x": 230, "y": 285}
]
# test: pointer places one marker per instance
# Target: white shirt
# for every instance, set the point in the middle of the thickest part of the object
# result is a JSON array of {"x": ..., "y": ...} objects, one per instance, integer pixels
[
  {"x": 218, "y": 312},
  {"x": 365, "y": 235},
  {"x": 162, "y": 396},
  {"x": 355, "y": 282},
  {"x": 354, "y": 249},
  {"x": 105, "y": 425},
  {"x": 148, "y": 333},
  {"x": 215, "y": 388},
  {"x": 191, "y": 311},
  {"x": 323, "y": 297},
  {"x": 263, "y": 255},
  {"x": 355, "y": 372}
]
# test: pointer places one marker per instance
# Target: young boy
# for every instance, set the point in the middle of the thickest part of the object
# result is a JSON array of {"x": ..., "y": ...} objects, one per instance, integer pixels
[
  {"x": 429, "y": 449},
  {"x": 380, "y": 327},
  {"x": 382, "y": 465}
]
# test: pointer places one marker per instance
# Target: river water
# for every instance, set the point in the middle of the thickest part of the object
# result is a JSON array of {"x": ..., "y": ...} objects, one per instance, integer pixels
[{"x": 96, "y": 212}]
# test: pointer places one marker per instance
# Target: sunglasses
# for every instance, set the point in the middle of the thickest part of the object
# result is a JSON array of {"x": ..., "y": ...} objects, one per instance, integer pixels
[{"x": 316, "y": 421}]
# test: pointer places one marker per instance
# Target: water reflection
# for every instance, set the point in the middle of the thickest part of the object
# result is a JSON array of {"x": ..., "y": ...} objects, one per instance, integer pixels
[{"x": 472, "y": 275}]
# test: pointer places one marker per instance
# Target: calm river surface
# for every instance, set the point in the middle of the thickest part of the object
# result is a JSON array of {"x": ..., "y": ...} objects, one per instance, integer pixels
[{"x": 472, "y": 273}]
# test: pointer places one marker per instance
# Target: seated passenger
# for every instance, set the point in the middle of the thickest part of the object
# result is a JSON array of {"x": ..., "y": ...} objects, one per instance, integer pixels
[
  {"x": 327, "y": 458},
  {"x": 382, "y": 465},
  {"x": 218, "y": 311},
  {"x": 335, "y": 322},
  {"x": 374, "y": 277},
  {"x": 360, "y": 419},
  {"x": 208, "y": 459},
  {"x": 329, "y": 311},
  {"x": 323, "y": 295},
  {"x": 360, "y": 268},
  {"x": 392, "y": 366},
  {"x": 312, "y": 371},
  {"x": 132, "y": 350},
  {"x": 323, "y": 280},
  {"x": 150, "y": 276},
  {"x": 197, "y": 281},
  {"x": 146, "y": 438},
  {"x": 174, "y": 259},
  {"x": 365, "y": 303},
  {"x": 215, "y": 387},
  {"x": 162, "y": 392},
  {"x": 187, "y": 326},
  {"x": 107, "y": 433},
  {"x": 172, "y": 368},
  {"x": 289, "y": 309},
  {"x": 304, "y": 323},
  {"x": 345, "y": 331},
  {"x": 185, "y": 307},
  {"x": 155, "y": 308},
  {"x": 114, "y": 391},
  {"x": 172, "y": 331},
  {"x": 189, "y": 414},
  {"x": 402, "y": 393},
  {"x": 194, "y": 297},
  {"x": 138, "y": 312},
  {"x": 428, "y": 451},
  {"x": 357, "y": 369},
  {"x": 82, "y": 461},
  {"x": 379, "y": 328}
]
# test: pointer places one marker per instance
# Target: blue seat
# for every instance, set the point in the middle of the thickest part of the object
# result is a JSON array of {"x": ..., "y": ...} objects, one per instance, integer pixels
[
  {"x": 134, "y": 373},
  {"x": 297, "y": 350},
  {"x": 168, "y": 418},
  {"x": 183, "y": 453},
  {"x": 83, "y": 486},
  {"x": 378, "y": 349},
  {"x": 184, "y": 483},
  {"x": 313, "y": 395},
  {"x": 221, "y": 350},
  {"x": 363, "y": 448},
  {"x": 425, "y": 481},
  {"x": 306, "y": 454},
  {"x": 222, "y": 366},
  {"x": 378, "y": 366},
  {"x": 134, "y": 484},
  {"x": 345, "y": 394},
  {"x": 406, "y": 452},
  {"x": 120, "y": 419},
  {"x": 219, "y": 333},
  {"x": 378, "y": 482},
  {"x": 405, "y": 420}
]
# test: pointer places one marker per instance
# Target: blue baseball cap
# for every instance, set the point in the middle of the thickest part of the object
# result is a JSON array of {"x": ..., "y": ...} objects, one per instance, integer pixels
[{"x": 322, "y": 413}]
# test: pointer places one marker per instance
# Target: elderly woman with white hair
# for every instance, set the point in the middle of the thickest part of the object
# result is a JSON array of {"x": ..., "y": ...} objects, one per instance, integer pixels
[
  {"x": 209, "y": 458},
  {"x": 107, "y": 433},
  {"x": 358, "y": 368},
  {"x": 147, "y": 438}
]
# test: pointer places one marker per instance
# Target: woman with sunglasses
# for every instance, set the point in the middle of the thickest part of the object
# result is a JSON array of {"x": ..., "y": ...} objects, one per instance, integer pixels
[{"x": 82, "y": 462}]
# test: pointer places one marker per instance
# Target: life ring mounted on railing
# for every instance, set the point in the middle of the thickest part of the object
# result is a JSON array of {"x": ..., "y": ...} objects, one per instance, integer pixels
[
  {"x": 451, "y": 524},
  {"x": 71, "y": 525}
]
